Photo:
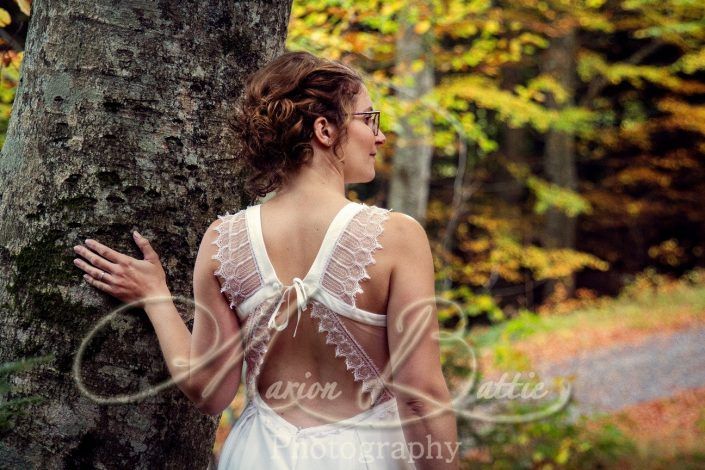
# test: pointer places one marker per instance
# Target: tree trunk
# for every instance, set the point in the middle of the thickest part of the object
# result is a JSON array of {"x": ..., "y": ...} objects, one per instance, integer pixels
[
  {"x": 516, "y": 148},
  {"x": 120, "y": 123},
  {"x": 559, "y": 154},
  {"x": 411, "y": 169}
]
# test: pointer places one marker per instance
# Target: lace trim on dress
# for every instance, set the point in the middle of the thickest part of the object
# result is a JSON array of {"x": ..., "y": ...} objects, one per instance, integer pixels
[
  {"x": 356, "y": 359},
  {"x": 346, "y": 265},
  {"x": 238, "y": 268},
  {"x": 257, "y": 337}
]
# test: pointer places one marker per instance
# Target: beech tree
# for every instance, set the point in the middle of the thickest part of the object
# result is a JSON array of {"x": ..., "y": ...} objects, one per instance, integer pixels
[
  {"x": 120, "y": 123},
  {"x": 411, "y": 166}
]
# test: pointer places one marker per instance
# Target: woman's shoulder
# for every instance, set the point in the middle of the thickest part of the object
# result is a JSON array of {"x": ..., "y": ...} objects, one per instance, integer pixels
[
  {"x": 217, "y": 234},
  {"x": 221, "y": 223},
  {"x": 400, "y": 224},
  {"x": 401, "y": 232}
]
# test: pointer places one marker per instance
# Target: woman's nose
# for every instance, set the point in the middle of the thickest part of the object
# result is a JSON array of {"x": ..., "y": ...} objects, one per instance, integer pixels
[{"x": 380, "y": 138}]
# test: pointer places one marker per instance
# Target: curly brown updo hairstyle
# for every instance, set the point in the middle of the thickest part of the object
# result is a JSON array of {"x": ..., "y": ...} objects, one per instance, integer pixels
[{"x": 274, "y": 121}]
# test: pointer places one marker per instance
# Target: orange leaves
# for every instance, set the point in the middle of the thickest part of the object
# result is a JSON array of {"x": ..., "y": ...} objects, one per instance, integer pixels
[{"x": 684, "y": 115}]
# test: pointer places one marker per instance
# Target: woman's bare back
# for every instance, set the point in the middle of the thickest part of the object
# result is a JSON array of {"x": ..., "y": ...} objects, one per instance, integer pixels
[{"x": 293, "y": 234}]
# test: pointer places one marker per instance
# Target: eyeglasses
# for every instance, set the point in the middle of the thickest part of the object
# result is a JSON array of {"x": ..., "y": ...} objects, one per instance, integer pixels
[{"x": 373, "y": 122}]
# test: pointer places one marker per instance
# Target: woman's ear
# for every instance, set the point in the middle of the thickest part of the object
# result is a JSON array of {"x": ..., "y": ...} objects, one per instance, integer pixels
[{"x": 323, "y": 131}]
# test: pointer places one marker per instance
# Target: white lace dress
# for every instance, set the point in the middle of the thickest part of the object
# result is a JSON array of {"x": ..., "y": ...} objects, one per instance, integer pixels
[{"x": 261, "y": 438}]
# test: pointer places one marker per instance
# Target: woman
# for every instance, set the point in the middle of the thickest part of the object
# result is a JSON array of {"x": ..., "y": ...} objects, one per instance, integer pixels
[{"x": 321, "y": 391}]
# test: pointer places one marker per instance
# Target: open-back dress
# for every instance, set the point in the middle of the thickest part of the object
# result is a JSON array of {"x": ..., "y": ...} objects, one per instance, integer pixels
[{"x": 335, "y": 334}]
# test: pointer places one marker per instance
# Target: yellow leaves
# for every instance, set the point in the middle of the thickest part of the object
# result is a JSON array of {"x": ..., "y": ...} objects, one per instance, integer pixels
[
  {"x": 561, "y": 262},
  {"x": 392, "y": 7},
  {"x": 564, "y": 451},
  {"x": 676, "y": 160},
  {"x": 668, "y": 252},
  {"x": 25, "y": 6},
  {"x": 418, "y": 65},
  {"x": 317, "y": 19},
  {"x": 691, "y": 62},
  {"x": 591, "y": 64},
  {"x": 475, "y": 246},
  {"x": 379, "y": 75},
  {"x": 548, "y": 194},
  {"x": 534, "y": 88},
  {"x": 298, "y": 10},
  {"x": 491, "y": 27},
  {"x": 493, "y": 247},
  {"x": 512, "y": 109},
  {"x": 488, "y": 223},
  {"x": 634, "y": 208},
  {"x": 5, "y": 18},
  {"x": 422, "y": 26}
]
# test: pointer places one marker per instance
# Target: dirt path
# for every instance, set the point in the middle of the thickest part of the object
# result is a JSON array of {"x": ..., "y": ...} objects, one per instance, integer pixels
[{"x": 615, "y": 377}]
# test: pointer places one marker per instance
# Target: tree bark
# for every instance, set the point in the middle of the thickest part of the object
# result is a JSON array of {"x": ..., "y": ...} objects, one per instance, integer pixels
[
  {"x": 120, "y": 123},
  {"x": 559, "y": 154},
  {"x": 411, "y": 168}
]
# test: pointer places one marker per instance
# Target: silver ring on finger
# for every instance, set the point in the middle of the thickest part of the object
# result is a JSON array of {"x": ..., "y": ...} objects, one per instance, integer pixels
[{"x": 101, "y": 276}]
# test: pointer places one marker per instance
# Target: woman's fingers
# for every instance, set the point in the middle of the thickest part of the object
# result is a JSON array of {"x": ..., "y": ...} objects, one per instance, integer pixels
[
  {"x": 91, "y": 270},
  {"x": 105, "y": 251},
  {"x": 145, "y": 247},
  {"x": 94, "y": 258},
  {"x": 96, "y": 283}
]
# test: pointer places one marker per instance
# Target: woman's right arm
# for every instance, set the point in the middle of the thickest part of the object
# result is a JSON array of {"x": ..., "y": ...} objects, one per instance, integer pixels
[{"x": 412, "y": 333}]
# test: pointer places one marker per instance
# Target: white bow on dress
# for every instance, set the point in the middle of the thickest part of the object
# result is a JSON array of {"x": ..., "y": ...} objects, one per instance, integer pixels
[{"x": 301, "y": 300}]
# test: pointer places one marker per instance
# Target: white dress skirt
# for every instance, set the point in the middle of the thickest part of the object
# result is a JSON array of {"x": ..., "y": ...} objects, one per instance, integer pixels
[{"x": 371, "y": 440}]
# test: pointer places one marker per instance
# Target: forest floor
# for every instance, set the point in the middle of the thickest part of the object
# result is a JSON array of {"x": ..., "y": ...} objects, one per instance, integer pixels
[
  {"x": 636, "y": 362},
  {"x": 627, "y": 320}
]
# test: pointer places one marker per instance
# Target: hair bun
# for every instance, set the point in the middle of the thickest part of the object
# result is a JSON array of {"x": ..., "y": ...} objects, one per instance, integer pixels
[{"x": 274, "y": 120}]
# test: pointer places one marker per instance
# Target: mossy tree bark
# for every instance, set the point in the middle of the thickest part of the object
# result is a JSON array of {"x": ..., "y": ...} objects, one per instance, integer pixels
[{"x": 120, "y": 123}]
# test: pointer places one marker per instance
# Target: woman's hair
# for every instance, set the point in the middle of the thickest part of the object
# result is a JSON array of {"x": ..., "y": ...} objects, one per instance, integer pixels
[{"x": 274, "y": 122}]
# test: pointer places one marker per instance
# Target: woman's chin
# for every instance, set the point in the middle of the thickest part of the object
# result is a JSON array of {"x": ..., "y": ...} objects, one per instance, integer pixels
[{"x": 362, "y": 178}]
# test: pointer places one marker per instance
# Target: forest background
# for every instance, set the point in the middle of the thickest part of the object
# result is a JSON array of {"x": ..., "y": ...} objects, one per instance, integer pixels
[{"x": 553, "y": 149}]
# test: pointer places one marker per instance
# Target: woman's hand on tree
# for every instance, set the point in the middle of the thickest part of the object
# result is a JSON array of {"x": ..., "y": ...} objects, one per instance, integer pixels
[{"x": 123, "y": 277}]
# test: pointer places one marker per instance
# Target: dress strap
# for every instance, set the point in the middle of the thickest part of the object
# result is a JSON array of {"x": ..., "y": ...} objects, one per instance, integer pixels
[
  {"x": 353, "y": 252},
  {"x": 336, "y": 227},
  {"x": 237, "y": 265},
  {"x": 301, "y": 301}
]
